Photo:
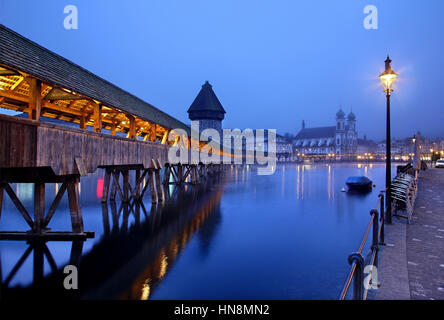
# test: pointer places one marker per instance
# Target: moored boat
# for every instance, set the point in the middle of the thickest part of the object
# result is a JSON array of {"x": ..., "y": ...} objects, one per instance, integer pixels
[{"x": 359, "y": 184}]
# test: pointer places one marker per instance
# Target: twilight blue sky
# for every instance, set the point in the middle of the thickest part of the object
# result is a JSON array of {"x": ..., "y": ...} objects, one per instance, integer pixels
[{"x": 271, "y": 63}]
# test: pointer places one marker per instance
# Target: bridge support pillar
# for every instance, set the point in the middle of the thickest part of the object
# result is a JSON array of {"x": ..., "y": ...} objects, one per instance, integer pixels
[
  {"x": 126, "y": 186},
  {"x": 39, "y": 206},
  {"x": 138, "y": 184},
  {"x": 180, "y": 177},
  {"x": 167, "y": 175},
  {"x": 129, "y": 193},
  {"x": 152, "y": 183},
  {"x": 106, "y": 182},
  {"x": 74, "y": 206},
  {"x": 194, "y": 174},
  {"x": 190, "y": 173},
  {"x": 160, "y": 195},
  {"x": 39, "y": 223}
]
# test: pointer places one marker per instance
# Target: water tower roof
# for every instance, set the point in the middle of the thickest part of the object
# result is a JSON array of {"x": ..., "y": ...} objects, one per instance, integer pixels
[{"x": 206, "y": 100}]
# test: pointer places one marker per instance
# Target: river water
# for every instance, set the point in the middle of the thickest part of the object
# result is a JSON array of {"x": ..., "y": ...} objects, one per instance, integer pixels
[{"x": 244, "y": 236}]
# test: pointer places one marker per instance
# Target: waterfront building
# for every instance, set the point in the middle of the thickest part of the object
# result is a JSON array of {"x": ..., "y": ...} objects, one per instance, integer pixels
[
  {"x": 284, "y": 148},
  {"x": 340, "y": 139},
  {"x": 252, "y": 143},
  {"x": 366, "y": 146}
]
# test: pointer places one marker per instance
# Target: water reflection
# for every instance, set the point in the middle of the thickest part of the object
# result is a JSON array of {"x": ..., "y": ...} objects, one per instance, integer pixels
[
  {"x": 41, "y": 286},
  {"x": 202, "y": 245},
  {"x": 135, "y": 252}
]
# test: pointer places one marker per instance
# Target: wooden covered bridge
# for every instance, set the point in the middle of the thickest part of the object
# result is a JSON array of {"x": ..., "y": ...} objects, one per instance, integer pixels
[{"x": 104, "y": 127}]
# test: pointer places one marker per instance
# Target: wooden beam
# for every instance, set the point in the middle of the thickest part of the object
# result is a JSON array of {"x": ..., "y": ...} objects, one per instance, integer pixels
[
  {"x": 35, "y": 103},
  {"x": 159, "y": 187},
  {"x": 45, "y": 236},
  {"x": 165, "y": 137},
  {"x": 97, "y": 116},
  {"x": 17, "y": 83},
  {"x": 74, "y": 207},
  {"x": 111, "y": 111},
  {"x": 82, "y": 122},
  {"x": 53, "y": 106},
  {"x": 106, "y": 183},
  {"x": 83, "y": 116},
  {"x": 39, "y": 206},
  {"x": 18, "y": 204},
  {"x": 152, "y": 183},
  {"x": 54, "y": 204},
  {"x": 113, "y": 129},
  {"x": 14, "y": 96},
  {"x": 132, "y": 127},
  {"x": 153, "y": 132}
]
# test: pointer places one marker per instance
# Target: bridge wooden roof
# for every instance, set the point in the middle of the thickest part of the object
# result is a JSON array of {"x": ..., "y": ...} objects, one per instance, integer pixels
[{"x": 27, "y": 56}]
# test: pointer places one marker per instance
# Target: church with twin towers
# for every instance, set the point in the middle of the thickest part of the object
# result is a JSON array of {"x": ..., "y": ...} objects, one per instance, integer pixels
[{"x": 340, "y": 139}]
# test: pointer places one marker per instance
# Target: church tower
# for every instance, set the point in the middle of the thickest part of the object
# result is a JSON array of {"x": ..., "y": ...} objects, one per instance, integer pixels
[
  {"x": 207, "y": 109},
  {"x": 340, "y": 131},
  {"x": 352, "y": 135},
  {"x": 351, "y": 121}
]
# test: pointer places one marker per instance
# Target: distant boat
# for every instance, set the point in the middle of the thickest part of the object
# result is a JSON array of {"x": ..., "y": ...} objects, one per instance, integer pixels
[{"x": 359, "y": 184}]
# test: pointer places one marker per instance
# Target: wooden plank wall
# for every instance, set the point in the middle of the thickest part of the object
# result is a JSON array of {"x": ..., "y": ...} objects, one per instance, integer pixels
[
  {"x": 27, "y": 143},
  {"x": 17, "y": 139},
  {"x": 58, "y": 147}
]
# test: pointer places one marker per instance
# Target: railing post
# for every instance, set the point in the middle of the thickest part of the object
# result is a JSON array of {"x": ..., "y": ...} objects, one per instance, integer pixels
[
  {"x": 375, "y": 240},
  {"x": 382, "y": 219},
  {"x": 358, "y": 280},
  {"x": 388, "y": 206}
]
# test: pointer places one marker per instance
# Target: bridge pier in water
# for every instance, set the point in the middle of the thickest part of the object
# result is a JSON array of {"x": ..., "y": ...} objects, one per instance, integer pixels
[
  {"x": 190, "y": 173},
  {"x": 143, "y": 179},
  {"x": 151, "y": 178},
  {"x": 41, "y": 218}
]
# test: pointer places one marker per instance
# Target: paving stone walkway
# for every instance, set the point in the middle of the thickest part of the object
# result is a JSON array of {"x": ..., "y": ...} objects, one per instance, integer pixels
[{"x": 411, "y": 266}]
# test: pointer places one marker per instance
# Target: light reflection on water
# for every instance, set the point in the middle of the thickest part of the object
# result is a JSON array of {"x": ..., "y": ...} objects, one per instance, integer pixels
[{"x": 285, "y": 236}]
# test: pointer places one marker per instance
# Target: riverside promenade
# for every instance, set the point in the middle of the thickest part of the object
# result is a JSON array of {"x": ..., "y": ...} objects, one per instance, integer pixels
[{"x": 411, "y": 266}]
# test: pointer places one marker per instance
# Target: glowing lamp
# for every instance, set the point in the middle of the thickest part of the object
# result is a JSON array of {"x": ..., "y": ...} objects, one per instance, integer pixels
[{"x": 388, "y": 77}]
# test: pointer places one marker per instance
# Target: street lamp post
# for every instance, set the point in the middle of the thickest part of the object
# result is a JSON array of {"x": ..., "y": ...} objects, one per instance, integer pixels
[
  {"x": 414, "y": 160},
  {"x": 388, "y": 78},
  {"x": 431, "y": 158}
]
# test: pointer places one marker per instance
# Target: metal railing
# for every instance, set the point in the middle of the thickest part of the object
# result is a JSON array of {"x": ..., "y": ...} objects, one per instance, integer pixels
[
  {"x": 403, "y": 189},
  {"x": 357, "y": 260}
]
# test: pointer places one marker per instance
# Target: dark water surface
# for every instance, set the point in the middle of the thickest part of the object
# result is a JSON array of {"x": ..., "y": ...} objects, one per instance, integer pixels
[{"x": 284, "y": 236}]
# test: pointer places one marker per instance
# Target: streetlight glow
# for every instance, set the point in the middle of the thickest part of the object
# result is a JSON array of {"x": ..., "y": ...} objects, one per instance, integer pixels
[{"x": 388, "y": 77}]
